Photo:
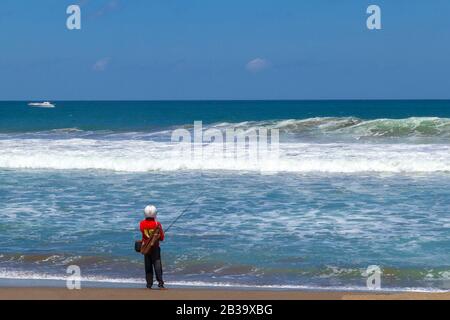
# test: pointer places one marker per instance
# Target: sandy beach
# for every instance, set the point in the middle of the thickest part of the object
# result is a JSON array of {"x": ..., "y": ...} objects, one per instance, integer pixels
[{"x": 202, "y": 294}]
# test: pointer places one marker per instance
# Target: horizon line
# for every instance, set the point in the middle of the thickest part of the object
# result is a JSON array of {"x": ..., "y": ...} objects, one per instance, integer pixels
[{"x": 227, "y": 100}]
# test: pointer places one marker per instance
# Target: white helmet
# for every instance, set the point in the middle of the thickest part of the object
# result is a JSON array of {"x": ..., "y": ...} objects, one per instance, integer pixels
[{"x": 150, "y": 212}]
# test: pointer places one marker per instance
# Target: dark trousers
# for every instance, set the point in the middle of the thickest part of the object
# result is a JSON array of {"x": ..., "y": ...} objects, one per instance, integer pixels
[{"x": 153, "y": 260}]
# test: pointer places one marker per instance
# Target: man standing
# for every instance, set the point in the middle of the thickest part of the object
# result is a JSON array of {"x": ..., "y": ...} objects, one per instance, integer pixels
[{"x": 152, "y": 260}]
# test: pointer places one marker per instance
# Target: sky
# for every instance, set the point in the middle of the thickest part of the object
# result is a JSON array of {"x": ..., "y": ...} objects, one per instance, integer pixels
[{"x": 217, "y": 49}]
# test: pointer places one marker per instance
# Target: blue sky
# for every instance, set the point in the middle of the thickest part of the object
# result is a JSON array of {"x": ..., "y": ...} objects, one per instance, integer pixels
[{"x": 212, "y": 49}]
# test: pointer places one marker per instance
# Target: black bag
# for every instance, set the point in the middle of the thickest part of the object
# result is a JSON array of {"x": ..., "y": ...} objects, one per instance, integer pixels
[{"x": 138, "y": 246}]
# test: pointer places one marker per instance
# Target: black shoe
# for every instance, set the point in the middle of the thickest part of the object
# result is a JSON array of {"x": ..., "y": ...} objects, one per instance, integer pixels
[
  {"x": 149, "y": 286},
  {"x": 161, "y": 285}
]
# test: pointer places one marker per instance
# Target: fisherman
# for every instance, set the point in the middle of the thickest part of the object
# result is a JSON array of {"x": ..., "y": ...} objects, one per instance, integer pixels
[{"x": 152, "y": 260}]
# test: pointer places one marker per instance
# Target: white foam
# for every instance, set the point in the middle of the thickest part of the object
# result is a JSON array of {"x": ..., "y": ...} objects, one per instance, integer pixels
[{"x": 143, "y": 156}]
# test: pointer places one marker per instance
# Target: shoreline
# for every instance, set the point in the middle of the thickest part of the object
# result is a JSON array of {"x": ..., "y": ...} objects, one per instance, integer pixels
[
  {"x": 60, "y": 283},
  {"x": 46, "y": 293}
]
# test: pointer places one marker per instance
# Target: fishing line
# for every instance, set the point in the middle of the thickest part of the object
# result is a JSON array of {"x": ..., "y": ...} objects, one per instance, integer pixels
[{"x": 183, "y": 212}]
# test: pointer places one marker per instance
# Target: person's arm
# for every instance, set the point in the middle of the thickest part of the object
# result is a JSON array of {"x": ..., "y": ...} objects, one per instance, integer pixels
[
  {"x": 161, "y": 232},
  {"x": 141, "y": 227}
]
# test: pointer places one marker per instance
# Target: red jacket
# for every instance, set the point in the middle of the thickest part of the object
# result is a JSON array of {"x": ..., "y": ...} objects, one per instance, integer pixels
[{"x": 147, "y": 227}]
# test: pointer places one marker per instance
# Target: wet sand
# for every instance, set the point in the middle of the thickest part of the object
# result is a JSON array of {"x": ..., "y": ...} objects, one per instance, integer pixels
[{"x": 202, "y": 294}]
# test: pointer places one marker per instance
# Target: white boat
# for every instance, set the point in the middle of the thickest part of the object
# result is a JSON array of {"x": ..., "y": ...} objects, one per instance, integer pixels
[{"x": 45, "y": 104}]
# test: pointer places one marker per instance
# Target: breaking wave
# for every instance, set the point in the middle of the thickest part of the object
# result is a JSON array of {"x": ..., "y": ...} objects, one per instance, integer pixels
[
  {"x": 325, "y": 144},
  {"x": 317, "y": 127},
  {"x": 354, "y": 127}
]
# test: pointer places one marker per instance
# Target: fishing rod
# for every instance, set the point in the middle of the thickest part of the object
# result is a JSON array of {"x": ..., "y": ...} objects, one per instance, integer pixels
[{"x": 183, "y": 212}]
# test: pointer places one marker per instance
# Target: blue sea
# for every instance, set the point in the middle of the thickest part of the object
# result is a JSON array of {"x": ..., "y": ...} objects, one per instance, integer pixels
[{"x": 356, "y": 183}]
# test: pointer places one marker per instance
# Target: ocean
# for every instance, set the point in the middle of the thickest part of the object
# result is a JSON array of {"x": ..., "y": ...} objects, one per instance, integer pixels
[{"x": 356, "y": 183}]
